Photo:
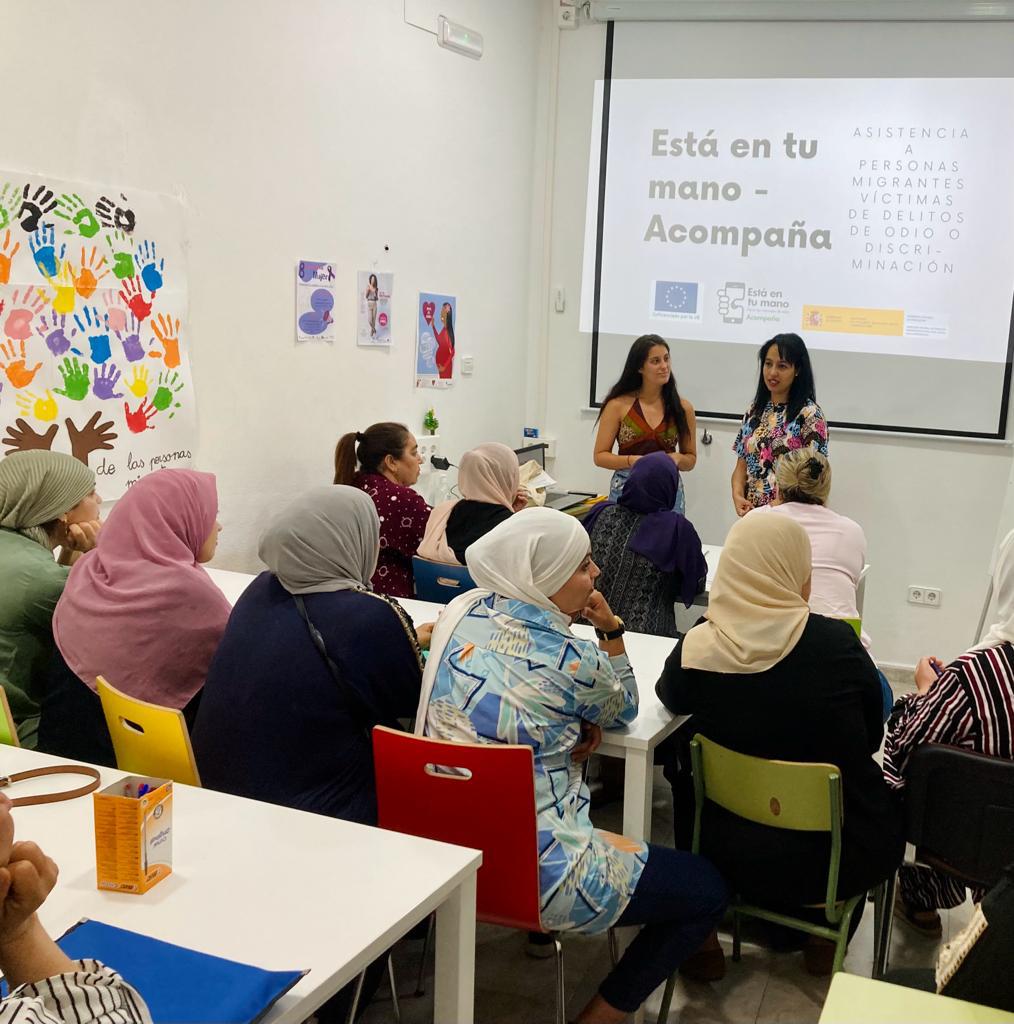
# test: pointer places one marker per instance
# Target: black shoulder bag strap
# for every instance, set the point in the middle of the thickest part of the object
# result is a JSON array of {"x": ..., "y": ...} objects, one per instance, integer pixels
[{"x": 362, "y": 714}]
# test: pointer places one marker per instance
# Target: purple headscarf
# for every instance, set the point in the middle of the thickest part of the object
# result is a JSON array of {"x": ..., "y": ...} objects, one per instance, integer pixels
[{"x": 666, "y": 538}]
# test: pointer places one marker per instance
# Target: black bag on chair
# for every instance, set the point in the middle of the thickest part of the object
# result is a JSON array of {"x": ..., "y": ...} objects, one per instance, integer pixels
[{"x": 976, "y": 966}]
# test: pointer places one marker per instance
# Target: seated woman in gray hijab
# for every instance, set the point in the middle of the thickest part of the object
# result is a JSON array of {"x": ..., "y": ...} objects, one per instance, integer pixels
[{"x": 310, "y": 661}]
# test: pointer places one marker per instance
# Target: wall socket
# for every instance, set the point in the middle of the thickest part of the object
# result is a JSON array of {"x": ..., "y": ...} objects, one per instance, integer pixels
[
  {"x": 429, "y": 445},
  {"x": 924, "y": 595}
]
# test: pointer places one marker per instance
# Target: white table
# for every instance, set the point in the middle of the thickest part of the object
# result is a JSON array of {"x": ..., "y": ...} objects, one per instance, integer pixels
[
  {"x": 269, "y": 886},
  {"x": 634, "y": 743}
]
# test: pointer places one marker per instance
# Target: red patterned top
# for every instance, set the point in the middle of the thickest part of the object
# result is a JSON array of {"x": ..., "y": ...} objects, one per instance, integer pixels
[
  {"x": 403, "y": 517},
  {"x": 635, "y": 437}
]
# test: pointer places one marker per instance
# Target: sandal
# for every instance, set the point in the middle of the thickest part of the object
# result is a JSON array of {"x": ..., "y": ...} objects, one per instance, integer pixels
[{"x": 925, "y": 922}]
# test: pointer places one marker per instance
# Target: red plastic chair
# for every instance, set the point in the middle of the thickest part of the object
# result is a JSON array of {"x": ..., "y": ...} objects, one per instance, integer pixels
[{"x": 487, "y": 804}]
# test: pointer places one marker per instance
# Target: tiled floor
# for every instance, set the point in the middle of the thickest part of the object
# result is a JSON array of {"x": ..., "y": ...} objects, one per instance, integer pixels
[{"x": 764, "y": 987}]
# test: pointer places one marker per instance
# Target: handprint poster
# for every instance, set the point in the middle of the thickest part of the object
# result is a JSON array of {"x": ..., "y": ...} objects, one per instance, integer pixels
[
  {"x": 94, "y": 354},
  {"x": 435, "y": 346}
]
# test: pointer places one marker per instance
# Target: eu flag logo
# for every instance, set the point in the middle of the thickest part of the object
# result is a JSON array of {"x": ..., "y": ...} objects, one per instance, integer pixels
[{"x": 675, "y": 297}]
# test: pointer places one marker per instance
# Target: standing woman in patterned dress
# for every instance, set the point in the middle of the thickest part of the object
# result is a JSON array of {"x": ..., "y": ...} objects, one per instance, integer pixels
[
  {"x": 644, "y": 395},
  {"x": 388, "y": 459},
  {"x": 783, "y": 417}
]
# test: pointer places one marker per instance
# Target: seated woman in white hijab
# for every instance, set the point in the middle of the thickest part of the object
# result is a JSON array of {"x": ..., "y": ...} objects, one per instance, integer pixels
[
  {"x": 488, "y": 479},
  {"x": 969, "y": 704},
  {"x": 536, "y": 576}
]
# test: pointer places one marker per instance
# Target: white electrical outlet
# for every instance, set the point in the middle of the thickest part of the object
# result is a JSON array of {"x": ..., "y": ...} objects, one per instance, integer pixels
[
  {"x": 916, "y": 595},
  {"x": 924, "y": 595},
  {"x": 429, "y": 445}
]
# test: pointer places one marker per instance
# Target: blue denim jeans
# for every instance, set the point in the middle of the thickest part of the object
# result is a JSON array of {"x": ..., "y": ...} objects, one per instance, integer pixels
[
  {"x": 679, "y": 899},
  {"x": 620, "y": 478}
]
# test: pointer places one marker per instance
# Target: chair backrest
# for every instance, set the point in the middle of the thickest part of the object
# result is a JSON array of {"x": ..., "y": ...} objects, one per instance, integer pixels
[
  {"x": 487, "y": 804},
  {"x": 857, "y": 625},
  {"x": 148, "y": 739},
  {"x": 8, "y": 730},
  {"x": 959, "y": 809},
  {"x": 436, "y": 581},
  {"x": 801, "y": 796}
]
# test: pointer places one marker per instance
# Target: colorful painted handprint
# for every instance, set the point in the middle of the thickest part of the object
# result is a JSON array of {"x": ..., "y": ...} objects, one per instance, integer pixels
[
  {"x": 14, "y": 365},
  {"x": 95, "y": 326},
  {"x": 72, "y": 208}
]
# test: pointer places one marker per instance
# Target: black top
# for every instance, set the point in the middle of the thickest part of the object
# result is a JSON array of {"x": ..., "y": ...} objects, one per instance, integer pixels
[
  {"x": 821, "y": 702},
  {"x": 470, "y": 520},
  {"x": 272, "y": 725}
]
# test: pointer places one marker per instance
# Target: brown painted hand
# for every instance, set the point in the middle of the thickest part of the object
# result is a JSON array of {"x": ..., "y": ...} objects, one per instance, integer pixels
[
  {"x": 93, "y": 436},
  {"x": 22, "y": 438}
]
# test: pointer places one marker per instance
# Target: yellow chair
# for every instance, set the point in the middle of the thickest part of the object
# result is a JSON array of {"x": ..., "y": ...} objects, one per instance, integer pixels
[
  {"x": 797, "y": 796},
  {"x": 857, "y": 625},
  {"x": 8, "y": 730},
  {"x": 148, "y": 739}
]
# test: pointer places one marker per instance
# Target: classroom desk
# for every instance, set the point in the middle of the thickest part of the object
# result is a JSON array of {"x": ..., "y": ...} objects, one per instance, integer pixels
[
  {"x": 270, "y": 886},
  {"x": 634, "y": 743},
  {"x": 855, "y": 1000}
]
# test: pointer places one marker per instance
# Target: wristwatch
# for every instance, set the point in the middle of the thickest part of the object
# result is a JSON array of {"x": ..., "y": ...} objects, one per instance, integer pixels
[{"x": 612, "y": 634}]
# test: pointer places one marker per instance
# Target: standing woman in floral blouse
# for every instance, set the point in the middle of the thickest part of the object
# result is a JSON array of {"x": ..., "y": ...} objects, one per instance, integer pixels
[
  {"x": 783, "y": 417},
  {"x": 388, "y": 459}
]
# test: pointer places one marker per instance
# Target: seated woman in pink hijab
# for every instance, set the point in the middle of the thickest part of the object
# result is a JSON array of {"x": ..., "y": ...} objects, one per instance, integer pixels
[
  {"x": 139, "y": 610},
  {"x": 488, "y": 479}
]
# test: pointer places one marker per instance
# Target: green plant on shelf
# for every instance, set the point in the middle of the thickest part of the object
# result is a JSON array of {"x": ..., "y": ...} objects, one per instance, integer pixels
[{"x": 430, "y": 421}]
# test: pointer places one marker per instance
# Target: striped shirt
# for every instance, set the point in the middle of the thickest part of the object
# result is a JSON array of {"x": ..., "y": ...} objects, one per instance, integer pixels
[
  {"x": 93, "y": 994},
  {"x": 971, "y": 705}
]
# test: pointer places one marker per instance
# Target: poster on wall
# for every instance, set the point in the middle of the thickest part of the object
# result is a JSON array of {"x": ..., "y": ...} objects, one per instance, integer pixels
[
  {"x": 314, "y": 301},
  {"x": 373, "y": 308},
  {"x": 436, "y": 318},
  {"x": 94, "y": 356}
]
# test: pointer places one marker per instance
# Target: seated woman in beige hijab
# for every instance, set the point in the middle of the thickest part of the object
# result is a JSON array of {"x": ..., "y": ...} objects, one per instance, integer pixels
[
  {"x": 765, "y": 676},
  {"x": 488, "y": 479}
]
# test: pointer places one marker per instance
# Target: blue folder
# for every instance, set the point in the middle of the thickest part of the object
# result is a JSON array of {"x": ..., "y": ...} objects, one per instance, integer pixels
[{"x": 180, "y": 986}]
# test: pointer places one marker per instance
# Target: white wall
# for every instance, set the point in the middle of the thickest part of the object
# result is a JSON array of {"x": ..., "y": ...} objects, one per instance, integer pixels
[
  {"x": 322, "y": 130},
  {"x": 930, "y": 508}
]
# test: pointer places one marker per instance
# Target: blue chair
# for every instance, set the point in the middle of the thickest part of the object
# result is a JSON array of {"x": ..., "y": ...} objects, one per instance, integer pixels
[{"x": 439, "y": 582}]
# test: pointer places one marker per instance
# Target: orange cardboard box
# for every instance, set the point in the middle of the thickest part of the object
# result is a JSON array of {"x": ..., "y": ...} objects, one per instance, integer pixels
[{"x": 133, "y": 834}]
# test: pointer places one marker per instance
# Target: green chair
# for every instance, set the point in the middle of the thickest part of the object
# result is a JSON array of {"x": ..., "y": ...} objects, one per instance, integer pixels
[
  {"x": 803, "y": 797},
  {"x": 8, "y": 730},
  {"x": 857, "y": 625}
]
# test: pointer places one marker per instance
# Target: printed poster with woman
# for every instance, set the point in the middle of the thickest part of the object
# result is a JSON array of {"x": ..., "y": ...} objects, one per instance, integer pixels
[
  {"x": 436, "y": 318},
  {"x": 94, "y": 350},
  {"x": 373, "y": 308}
]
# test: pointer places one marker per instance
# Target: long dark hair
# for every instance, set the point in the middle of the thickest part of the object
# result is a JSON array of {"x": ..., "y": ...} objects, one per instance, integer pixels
[
  {"x": 792, "y": 349},
  {"x": 631, "y": 381},
  {"x": 369, "y": 448},
  {"x": 450, "y": 320}
]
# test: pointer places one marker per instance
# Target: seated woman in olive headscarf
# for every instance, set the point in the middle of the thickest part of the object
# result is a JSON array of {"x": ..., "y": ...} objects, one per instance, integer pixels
[
  {"x": 765, "y": 676},
  {"x": 310, "y": 660},
  {"x": 489, "y": 482},
  {"x": 650, "y": 556},
  {"x": 47, "y": 501}
]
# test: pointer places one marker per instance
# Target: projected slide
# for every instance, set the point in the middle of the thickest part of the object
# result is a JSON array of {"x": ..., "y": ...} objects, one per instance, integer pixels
[{"x": 869, "y": 215}]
